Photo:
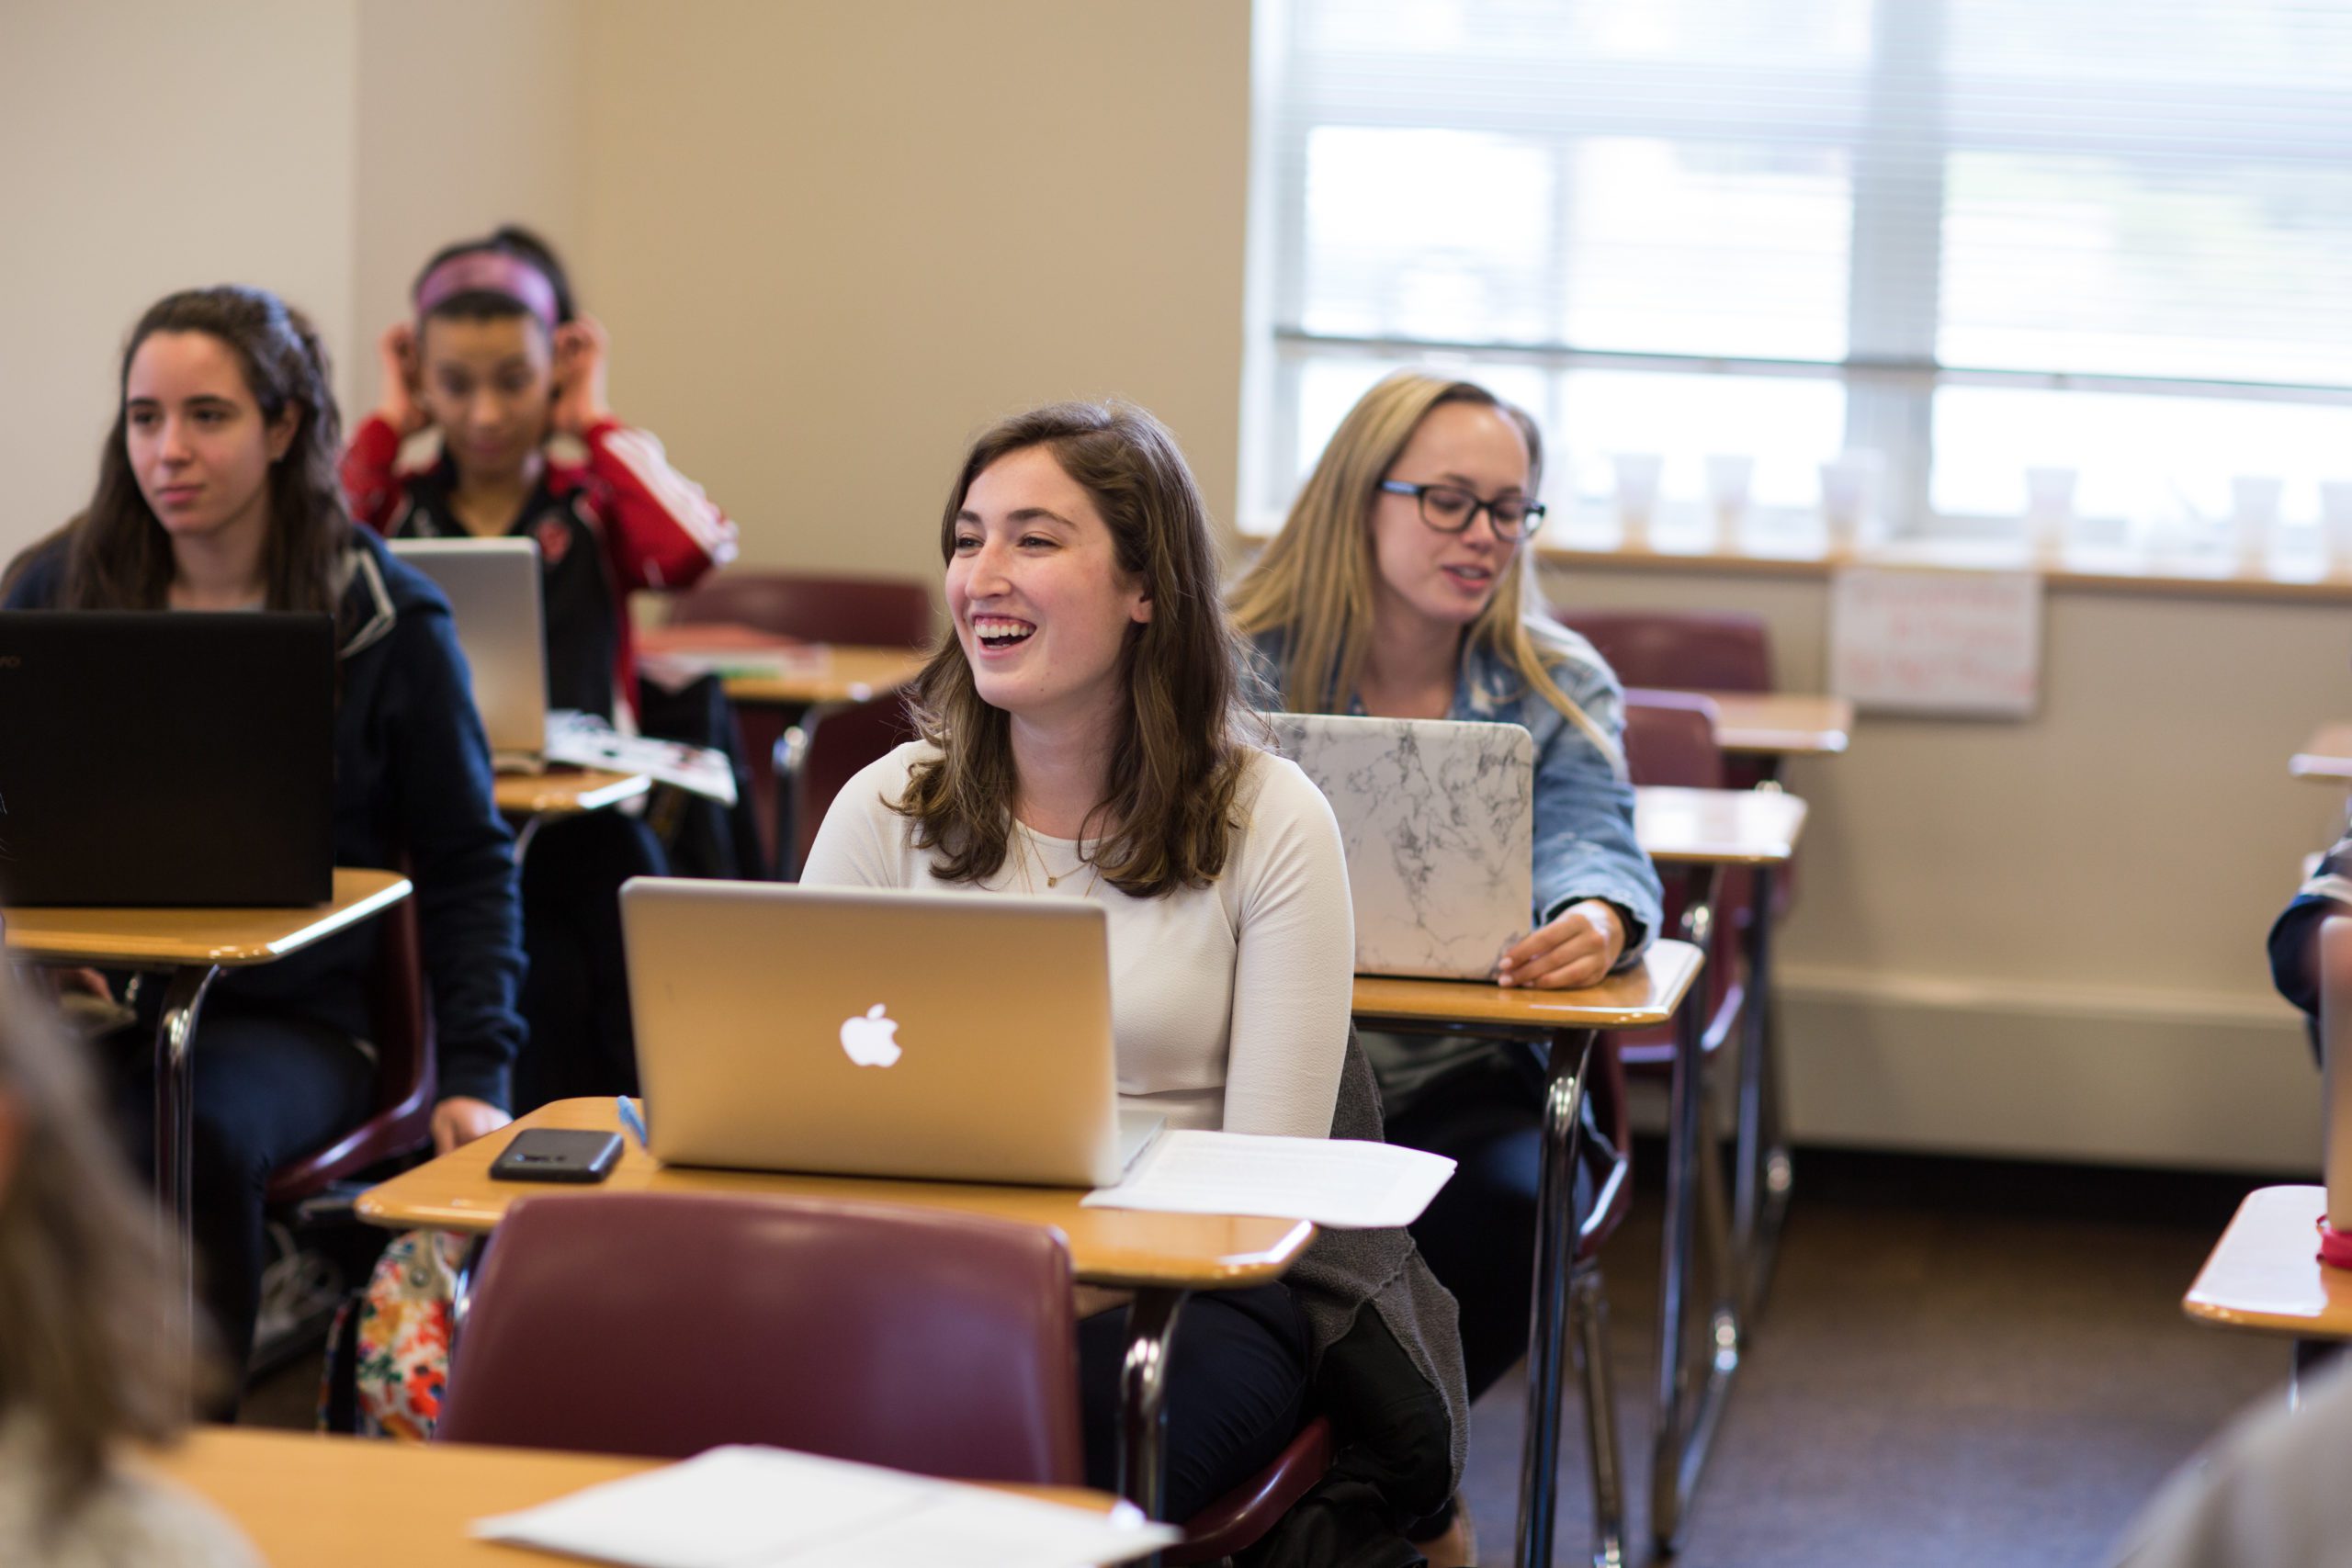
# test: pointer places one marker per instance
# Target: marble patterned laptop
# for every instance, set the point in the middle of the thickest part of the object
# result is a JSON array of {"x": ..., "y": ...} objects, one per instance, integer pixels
[{"x": 1438, "y": 821}]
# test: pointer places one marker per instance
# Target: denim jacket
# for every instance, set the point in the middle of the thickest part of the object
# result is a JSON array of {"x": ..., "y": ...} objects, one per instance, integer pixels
[{"x": 1584, "y": 805}]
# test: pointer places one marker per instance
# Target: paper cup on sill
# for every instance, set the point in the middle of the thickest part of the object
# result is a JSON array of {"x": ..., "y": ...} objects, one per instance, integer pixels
[
  {"x": 1848, "y": 495},
  {"x": 2335, "y": 524},
  {"x": 1729, "y": 475},
  {"x": 2049, "y": 508},
  {"x": 1638, "y": 474},
  {"x": 2254, "y": 517}
]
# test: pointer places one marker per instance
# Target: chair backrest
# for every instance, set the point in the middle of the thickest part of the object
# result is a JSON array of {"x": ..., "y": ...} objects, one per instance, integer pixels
[
  {"x": 1670, "y": 741},
  {"x": 874, "y": 612},
  {"x": 400, "y": 1017},
  {"x": 1678, "y": 649},
  {"x": 661, "y": 1324},
  {"x": 841, "y": 740}
]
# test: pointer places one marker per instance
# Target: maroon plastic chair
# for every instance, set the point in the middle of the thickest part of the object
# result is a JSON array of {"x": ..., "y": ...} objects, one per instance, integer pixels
[
  {"x": 1236, "y": 1521},
  {"x": 662, "y": 1324},
  {"x": 835, "y": 743},
  {"x": 401, "y": 1122},
  {"x": 1691, "y": 651},
  {"x": 872, "y": 611},
  {"x": 1671, "y": 740}
]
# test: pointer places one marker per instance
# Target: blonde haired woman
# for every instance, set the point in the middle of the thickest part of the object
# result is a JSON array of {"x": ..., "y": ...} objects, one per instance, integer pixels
[
  {"x": 1400, "y": 587},
  {"x": 85, "y": 1363}
]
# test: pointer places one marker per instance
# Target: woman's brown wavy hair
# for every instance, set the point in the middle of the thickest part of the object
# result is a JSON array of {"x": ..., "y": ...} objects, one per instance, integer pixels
[
  {"x": 1177, "y": 759},
  {"x": 117, "y": 555},
  {"x": 86, "y": 1347}
]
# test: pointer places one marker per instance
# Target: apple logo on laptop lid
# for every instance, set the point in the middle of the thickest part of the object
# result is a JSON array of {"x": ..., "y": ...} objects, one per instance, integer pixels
[{"x": 868, "y": 1041}]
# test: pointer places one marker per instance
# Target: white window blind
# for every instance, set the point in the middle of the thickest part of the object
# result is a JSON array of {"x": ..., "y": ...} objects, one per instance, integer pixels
[{"x": 1973, "y": 235}]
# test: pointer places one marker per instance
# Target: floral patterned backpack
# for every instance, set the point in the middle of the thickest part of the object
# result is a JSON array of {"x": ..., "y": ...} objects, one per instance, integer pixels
[{"x": 387, "y": 1354}]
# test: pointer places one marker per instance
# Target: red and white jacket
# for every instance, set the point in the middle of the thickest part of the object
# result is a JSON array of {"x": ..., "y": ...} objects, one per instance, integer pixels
[{"x": 622, "y": 520}]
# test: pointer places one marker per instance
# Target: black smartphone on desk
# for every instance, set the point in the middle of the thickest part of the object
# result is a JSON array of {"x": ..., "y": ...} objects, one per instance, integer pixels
[{"x": 557, "y": 1154}]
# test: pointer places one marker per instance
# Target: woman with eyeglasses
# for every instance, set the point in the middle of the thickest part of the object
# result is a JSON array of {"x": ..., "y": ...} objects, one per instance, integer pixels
[{"x": 1400, "y": 587}]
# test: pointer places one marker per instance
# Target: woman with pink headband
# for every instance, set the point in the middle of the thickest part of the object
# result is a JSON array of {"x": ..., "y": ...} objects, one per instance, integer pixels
[{"x": 509, "y": 376}]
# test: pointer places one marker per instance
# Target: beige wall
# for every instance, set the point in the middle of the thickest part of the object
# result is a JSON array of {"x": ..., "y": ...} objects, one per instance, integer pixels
[
  {"x": 833, "y": 239},
  {"x": 147, "y": 146}
]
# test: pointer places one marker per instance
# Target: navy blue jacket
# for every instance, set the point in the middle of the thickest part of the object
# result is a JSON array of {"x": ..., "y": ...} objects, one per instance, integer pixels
[{"x": 412, "y": 772}]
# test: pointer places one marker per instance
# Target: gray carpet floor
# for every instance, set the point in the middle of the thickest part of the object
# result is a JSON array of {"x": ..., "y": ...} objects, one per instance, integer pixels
[{"x": 1962, "y": 1364}]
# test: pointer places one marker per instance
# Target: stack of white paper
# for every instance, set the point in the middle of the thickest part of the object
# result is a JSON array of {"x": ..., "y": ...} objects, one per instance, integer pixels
[
  {"x": 1338, "y": 1182},
  {"x": 753, "y": 1507},
  {"x": 583, "y": 740}
]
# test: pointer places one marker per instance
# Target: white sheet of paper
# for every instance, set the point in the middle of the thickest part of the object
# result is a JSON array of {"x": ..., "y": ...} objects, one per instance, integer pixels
[
  {"x": 1338, "y": 1182},
  {"x": 758, "y": 1508}
]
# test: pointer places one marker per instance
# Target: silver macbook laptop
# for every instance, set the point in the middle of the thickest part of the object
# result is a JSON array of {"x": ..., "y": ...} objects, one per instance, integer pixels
[
  {"x": 859, "y": 1031},
  {"x": 492, "y": 586},
  {"x": 1438, "y": 821}
]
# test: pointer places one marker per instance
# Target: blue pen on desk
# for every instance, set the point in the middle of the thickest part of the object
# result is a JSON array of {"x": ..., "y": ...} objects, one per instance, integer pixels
[{"x": 632, "y": 1120}]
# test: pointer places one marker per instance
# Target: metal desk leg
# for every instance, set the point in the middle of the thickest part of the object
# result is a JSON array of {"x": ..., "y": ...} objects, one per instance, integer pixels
[
  {"x": 176, "y": 1129},
  {"x": 1143, "y": 1403},
  {"x": 1686, "y": 1415},
  {"x": 461, "y": 1290},
  {"x": 1557, "y": 1227},
  {"x": 1764, "y": 1173}
]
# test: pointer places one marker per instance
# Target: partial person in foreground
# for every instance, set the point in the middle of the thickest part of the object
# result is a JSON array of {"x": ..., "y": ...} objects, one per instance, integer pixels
[
  {"x": 2294, "y": 936},
  {"x": 217, "y": 493},
  {"x": 1081, "y": 738},
  {"x": 1401, "y": 587},
  {"x": 89, "y": 1361}
]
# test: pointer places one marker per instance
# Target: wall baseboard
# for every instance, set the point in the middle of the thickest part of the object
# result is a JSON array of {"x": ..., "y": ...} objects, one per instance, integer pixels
[{"x": 2097, "y": 1076}]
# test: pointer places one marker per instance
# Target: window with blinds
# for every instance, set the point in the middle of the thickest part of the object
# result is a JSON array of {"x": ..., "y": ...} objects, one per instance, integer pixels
[{"x": 1973, "y": 236}]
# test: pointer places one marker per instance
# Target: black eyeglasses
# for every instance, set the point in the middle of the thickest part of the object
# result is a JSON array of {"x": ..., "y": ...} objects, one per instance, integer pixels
[{"x": 1450, "y": 509}]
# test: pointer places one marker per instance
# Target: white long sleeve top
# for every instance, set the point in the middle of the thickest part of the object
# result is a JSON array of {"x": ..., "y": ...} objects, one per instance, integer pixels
[{"x": 1229, "y": 1003}]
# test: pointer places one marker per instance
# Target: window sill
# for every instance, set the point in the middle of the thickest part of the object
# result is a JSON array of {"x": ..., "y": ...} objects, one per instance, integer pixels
[{"x": 2081, "y": 569}]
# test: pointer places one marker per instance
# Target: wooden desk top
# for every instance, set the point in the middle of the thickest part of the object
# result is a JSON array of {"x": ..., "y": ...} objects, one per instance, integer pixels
[
  {"x": 1782, "y": 724},
  {"x": 564, "y": 792},
  {"x": 850, "y": 674},
  {"x": 307, "y": 1499},
  {"x": 1107, "y": 1246},
  {"x": 162, "y": 939},
  {"x": 2265, "y": 1272},
  {"x": 2326, "y": 756},
  {"x": 1641, "y": 998},
  {"x": 1717, "y": 827}
]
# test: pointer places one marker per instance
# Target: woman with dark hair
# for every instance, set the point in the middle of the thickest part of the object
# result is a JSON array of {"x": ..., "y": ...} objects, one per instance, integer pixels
[
  {"x": 498, "y": 362},
  {"x": 510, "y": 376},
  {"x": 216, "y": 491},
  {"x": 88, "y": 1362},
  {"x": 1081, "y": 739}
]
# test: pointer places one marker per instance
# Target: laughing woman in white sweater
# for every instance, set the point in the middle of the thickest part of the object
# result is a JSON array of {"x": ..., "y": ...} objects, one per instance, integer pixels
[{"x": 1080, "y": 738}]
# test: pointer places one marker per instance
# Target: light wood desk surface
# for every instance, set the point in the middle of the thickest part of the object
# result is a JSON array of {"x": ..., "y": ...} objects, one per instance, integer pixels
[
  {"x": 1107, "y": 1246},
  {"x": 1782, "y": 724},
  {"x": 2326, "y": 756},
  {"x": 565, "y": 791},
  {"x": 306, "y": 1499},
  {"x": 164, "y": 937},
  {"x": 1641, "y": 998},
  {"x": 1717, "y": 827},
  {"x": 850, "y": 674},
  {"x": 2265, "y": 1272}
]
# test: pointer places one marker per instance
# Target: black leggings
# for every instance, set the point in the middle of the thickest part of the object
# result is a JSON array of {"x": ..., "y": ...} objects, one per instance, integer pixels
[
  {"x": 575, "y": 997},
  {"x": 1237, "y": 1392},
  {"x": 268, "y": 1088},
  {"x": 1478, "y": 1235}
]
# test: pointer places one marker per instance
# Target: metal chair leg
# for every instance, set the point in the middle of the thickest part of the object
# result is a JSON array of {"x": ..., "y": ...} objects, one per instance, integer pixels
[
  {"x": 1764, "y": 1173},
  {"x": 1589, "y": 1312}
]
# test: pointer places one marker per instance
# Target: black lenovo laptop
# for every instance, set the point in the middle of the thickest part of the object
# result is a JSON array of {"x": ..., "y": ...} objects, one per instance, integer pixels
[{"x": 155, "y": 759}]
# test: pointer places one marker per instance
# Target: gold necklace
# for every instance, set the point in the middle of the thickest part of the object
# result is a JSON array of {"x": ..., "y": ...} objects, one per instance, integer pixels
[{"x": 1029, "y": 844}]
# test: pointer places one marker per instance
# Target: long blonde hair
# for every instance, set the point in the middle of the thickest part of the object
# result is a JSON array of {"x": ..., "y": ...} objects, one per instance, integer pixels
[
  {"x": 1314, "y": 581},
  {"x": 1179, "y": 754},
  {"x": 86, "y": 1312}
]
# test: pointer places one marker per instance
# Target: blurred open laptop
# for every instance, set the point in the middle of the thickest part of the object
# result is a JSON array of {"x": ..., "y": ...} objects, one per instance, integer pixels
[
  {"x": 860, "y": 1031},
  {"x": 1439, "y": 822},
  {"x": 151, "y": 758},
  {"x": 492, "y": 586}
]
